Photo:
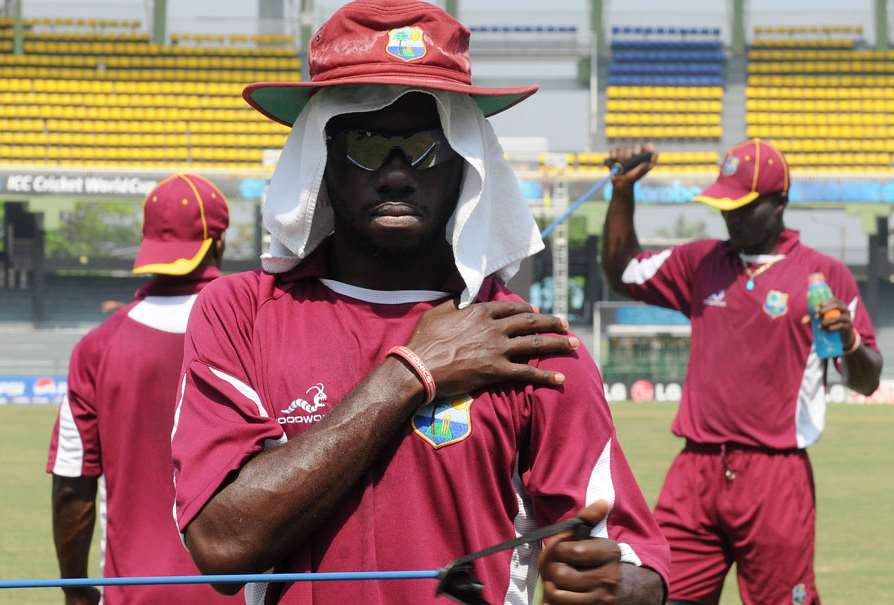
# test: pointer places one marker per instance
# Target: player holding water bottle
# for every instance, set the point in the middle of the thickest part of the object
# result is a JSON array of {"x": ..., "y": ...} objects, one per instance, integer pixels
[{"x": 754, "y": 397}]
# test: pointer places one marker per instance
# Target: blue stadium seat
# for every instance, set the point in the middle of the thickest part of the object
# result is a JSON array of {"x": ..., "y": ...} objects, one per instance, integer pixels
[
  {"x": 673, "y": 56},
  {"x": 700, "y": 69},
  {"x": 714, "y": 45},
  {"x": 524, "y": 29}
]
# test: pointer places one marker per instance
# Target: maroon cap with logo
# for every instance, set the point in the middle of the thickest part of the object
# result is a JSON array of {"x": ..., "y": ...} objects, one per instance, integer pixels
[
  {"x": 749, "y": 170},
  {"x": 403, "y": 42},
  {"x": 182, "y": 215}
]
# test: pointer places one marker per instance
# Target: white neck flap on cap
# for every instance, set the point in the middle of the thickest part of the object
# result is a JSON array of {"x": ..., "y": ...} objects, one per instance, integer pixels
[{"x": 491, "y": 230}]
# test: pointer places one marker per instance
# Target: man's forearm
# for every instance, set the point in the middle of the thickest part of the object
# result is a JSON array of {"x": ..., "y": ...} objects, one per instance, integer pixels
[
  {"x": 619, "y": 241},
  {"x": 284, "y": 495},
  {"x": 863, "y": 369},
  {"x": 639, "y": 586},
  {"x": 74, "y": 515}
]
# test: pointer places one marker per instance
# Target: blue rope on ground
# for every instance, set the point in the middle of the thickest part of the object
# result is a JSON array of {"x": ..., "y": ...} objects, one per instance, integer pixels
[
  {"x": 428, "y": 574},
  {"x": 579, "y": 201}
]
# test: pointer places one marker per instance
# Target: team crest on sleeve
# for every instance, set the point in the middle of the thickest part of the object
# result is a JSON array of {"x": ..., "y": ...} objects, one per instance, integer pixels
[
  {"x": 776, "y": 304},
  {"x": 406, "y": 43},
  {"x": 443, "y": 422}
]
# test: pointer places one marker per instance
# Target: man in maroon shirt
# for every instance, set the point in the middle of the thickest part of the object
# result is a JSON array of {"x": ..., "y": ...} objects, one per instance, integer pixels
[
  {"x": 754, "y": 397},
  {"x": 376, "y": 398},
  {"x": 113, "y": 432}
]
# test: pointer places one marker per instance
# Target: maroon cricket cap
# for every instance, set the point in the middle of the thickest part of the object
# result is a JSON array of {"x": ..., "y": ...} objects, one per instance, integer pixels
[
  {"x": 403, "y": 42},
  {"x": 182, "y": 215},
  {"x": 749, "y": 170}
]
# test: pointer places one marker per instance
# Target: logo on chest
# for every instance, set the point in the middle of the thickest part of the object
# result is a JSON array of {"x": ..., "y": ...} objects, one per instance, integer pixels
[
  {"x": 444, "y": 422},
  {"x": 718, "y": 299},
  {"x": 776, "y": 304},
  {"x": 317, "y": 396}
]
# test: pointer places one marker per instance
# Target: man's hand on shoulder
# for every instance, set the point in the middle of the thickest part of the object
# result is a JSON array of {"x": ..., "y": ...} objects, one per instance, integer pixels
[
  {"x": 590, "y": 572},
  {"x": 488, "y": 343}
]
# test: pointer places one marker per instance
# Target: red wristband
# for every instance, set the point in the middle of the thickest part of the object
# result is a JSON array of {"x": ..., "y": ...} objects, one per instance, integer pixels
[{"x": 421, "y": 371}]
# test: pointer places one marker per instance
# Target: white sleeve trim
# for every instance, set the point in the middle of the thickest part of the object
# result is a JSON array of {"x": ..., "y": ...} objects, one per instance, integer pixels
[
  {"x": 179, "y": 406},
  {"x": 252, "y": 395},
  {"x": 245, "y": 390},
  {"x": 810, "y": 409},
  {"x": 628, "y": 555},
  {"x": 601, "y": 487},
  {"x": 640, "y": 271},
  {"x": 70, "y": 447}
]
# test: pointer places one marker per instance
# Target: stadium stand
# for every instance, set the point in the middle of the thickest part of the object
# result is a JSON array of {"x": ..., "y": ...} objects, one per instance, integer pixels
[
  {"x": 822, "y": 98},
  {"x": 96, "y": 92},
  {"x": 665, "y": 83}
]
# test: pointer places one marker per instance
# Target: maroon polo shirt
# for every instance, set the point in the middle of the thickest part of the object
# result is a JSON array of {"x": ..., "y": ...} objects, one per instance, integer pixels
[
  {"x": 115, "y": 423},
  {"x": 268, "y": 356},
  {"x": 754, "y": 376}
]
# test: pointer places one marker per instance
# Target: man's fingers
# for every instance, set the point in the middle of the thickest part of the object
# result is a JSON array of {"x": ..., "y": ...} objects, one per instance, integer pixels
[
  {"x": 522, "y": 324},
  {"x": 837, "y": 325},
  {"x": 595, "y": 512},
  {"x": 557, "y": 595},
  {"x": 522, "y": 372},
  {"x": 592, "y": 552},
  {"x": 552, "y": 595},
  {"x": 569, "y": 577},
  {"x": 506, "y": 308},
  {"x": 582, "y": 576},
  {"x": 538, "y": 345}
]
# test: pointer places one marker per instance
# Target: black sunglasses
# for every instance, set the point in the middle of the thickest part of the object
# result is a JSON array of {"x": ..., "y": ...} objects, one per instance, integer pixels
[{"x": 368, "y": 150}]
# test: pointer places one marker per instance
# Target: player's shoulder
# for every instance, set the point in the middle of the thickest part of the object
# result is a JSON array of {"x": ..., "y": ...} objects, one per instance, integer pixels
[
  {"x": 703, "y": 247},
  {"x": 815, "y": 261},
  {"x": 580, "y": 370},
  {"x": 97, "y": 340},
  {"x": 243, "y": 284},
  {"x": 244, "y": 291},
  {"x": 231, "y": 299}
]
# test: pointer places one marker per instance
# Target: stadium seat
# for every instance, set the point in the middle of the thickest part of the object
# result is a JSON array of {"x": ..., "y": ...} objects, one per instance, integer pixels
[
  {"x": 663, "y": 84},
  {"x": 825, "y": 102},
  {"x": 97, "y": 92}
]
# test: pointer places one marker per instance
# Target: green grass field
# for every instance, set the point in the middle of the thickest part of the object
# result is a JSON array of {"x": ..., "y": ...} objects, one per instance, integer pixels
[{"x": 853, "y": 466}]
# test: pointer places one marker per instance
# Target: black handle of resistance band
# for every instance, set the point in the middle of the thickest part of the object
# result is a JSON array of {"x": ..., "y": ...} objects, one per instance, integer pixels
[
  {"x": 632, "y": 162},
  {"x": 458, "y": 581}
]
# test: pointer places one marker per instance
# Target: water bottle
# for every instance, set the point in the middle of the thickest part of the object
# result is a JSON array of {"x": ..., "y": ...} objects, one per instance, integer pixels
[{"x": 827, "y": 344}]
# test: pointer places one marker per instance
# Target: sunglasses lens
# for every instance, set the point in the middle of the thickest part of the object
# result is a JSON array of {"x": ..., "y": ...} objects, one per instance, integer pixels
[
  {"x": 366, "y": 149},
  {"x": 369, "y": 150}
]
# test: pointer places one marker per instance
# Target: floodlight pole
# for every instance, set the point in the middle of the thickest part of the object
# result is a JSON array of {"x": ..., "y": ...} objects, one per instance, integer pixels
[
  {"x": 597, "y": 46},
  {"x": 881, "y": 24},
  {"x": 597, "y": 24},
  {"x": 738, "y": 28},
  {"x": 159, "y": 21},
  {"x": 18, "y": 36}
]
